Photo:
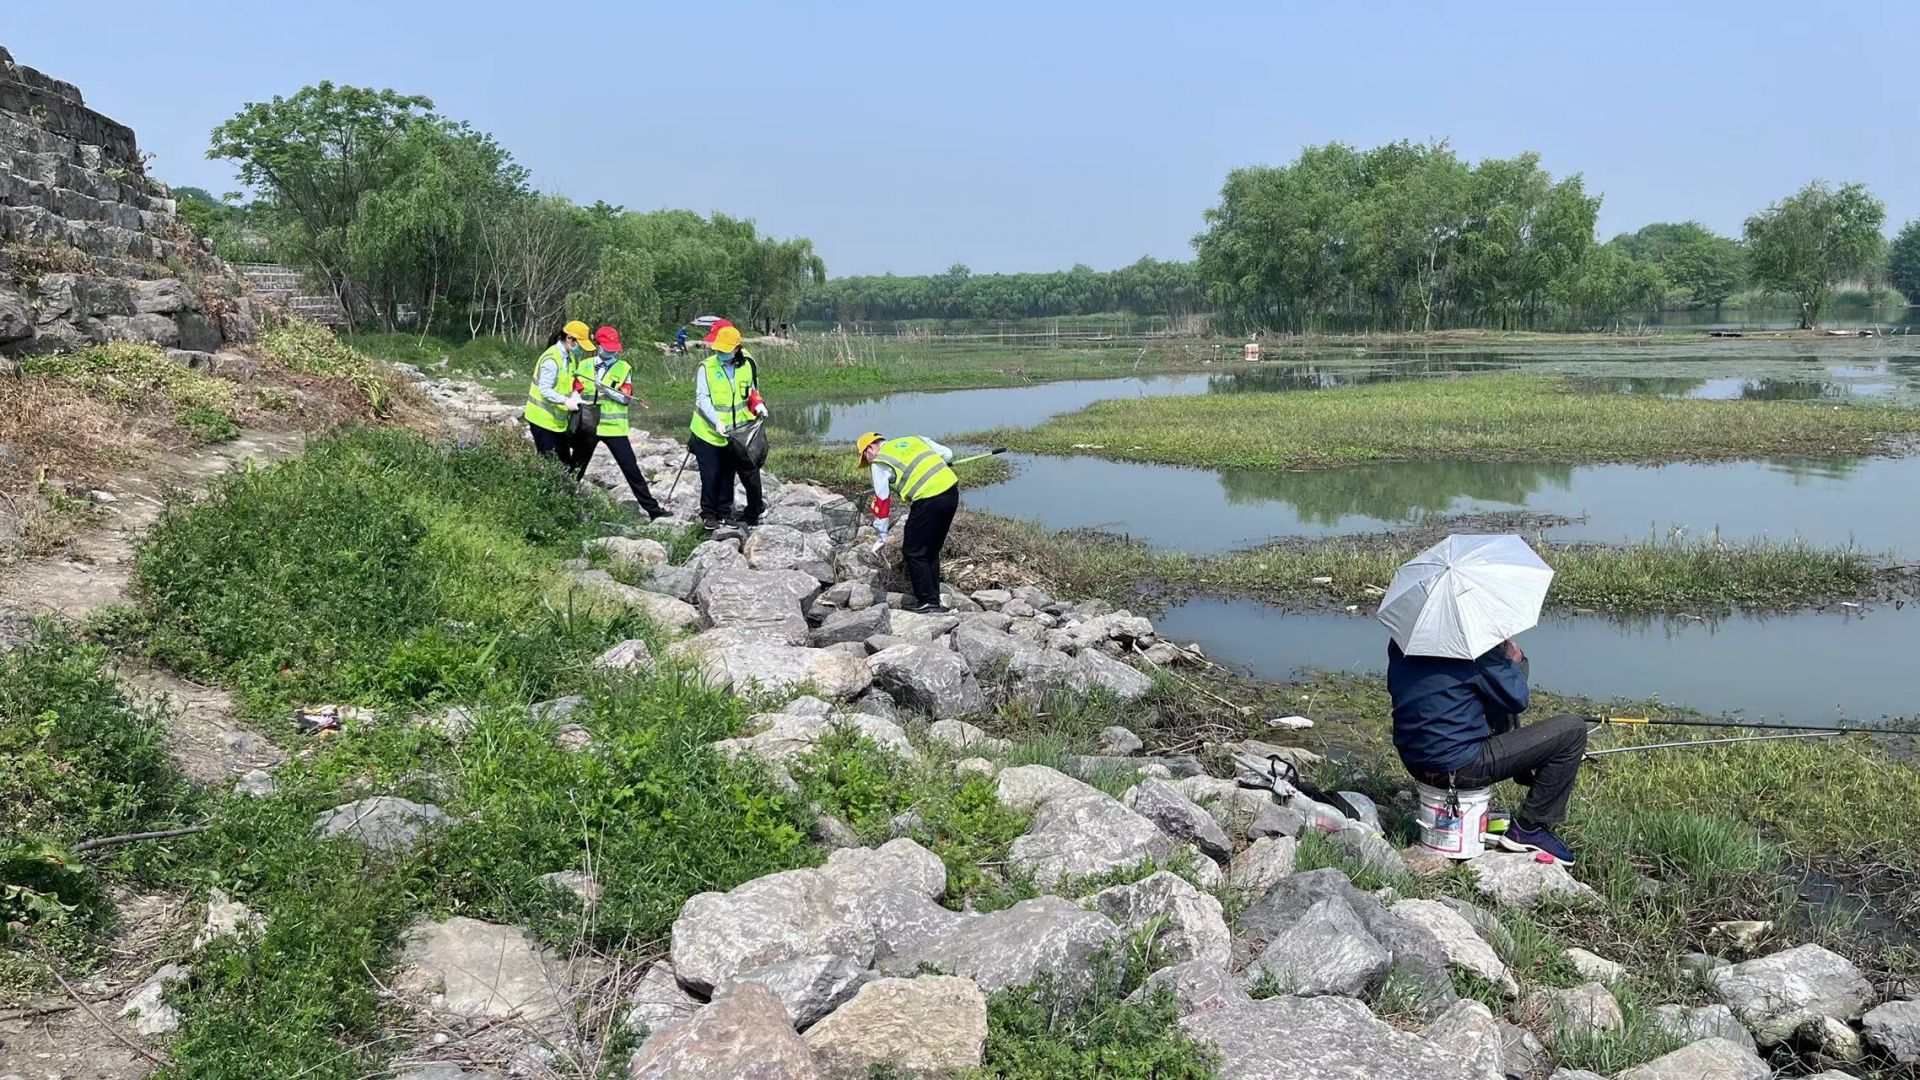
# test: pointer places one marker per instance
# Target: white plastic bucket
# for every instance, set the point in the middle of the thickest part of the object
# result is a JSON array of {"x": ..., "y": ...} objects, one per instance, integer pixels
[
  {"x": 1252, "y": 351},
  {"x": 1441, "y": 832}
]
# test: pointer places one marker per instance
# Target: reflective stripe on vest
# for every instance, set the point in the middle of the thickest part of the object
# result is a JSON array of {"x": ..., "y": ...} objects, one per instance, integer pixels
[
  {"x": 613, "y": 414},
  {"x": 729, "y": 396},
  {"x": 539, "y": 411},
  {"x": 918, "y": 469}
]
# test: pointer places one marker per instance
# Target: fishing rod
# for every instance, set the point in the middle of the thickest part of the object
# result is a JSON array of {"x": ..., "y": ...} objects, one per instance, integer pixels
[
  {"x": 1826, "y": 729},
  {"x": 1716, "y": 742}
]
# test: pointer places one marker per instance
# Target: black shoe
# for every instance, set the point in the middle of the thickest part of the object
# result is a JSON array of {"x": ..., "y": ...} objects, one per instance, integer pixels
[
  {"x": 655, "y": 513},
  {"x": 927, "y": 609},
  {"x": 710, "y": 524},
  {"x": 1541, "y": 841}
]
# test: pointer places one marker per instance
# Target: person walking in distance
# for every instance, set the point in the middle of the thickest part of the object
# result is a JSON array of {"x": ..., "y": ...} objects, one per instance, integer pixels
[
  {"x": 605, "y": 379},
  {"x": 919, "y": 471},
  {"x": 550, "y": 395},
  {"x": 726, "y": 393}
]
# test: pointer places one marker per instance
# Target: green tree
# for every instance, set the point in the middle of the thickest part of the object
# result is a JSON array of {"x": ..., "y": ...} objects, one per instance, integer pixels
[
  {"x": 1704, "y": 266},
  {"x": 620, "y": 294},
  {"x": 1903, "y": 261},
  {"x": 1806, "y": 242},
  {"x": 1607, "y": 285}
]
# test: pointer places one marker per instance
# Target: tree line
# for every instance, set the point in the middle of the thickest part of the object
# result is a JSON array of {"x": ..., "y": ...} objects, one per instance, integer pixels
[
  {"x": 1148, "y": 287},
  {"x": 416, "y": 220}
]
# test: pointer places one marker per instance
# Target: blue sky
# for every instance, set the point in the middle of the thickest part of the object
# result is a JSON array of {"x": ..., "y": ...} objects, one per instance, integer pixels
[{"x": 907, "y": 137}]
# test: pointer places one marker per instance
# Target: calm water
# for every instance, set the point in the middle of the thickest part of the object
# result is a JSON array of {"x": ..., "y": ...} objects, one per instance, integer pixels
[
  {"x": 1868, "y": 502},
  {"x": 1813, "y": 667}
]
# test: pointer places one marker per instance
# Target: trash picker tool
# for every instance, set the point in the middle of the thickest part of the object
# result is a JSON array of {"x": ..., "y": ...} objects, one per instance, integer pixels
[
  {"x": 677, "y": 474},
  {"x": 977, "y": 457}
]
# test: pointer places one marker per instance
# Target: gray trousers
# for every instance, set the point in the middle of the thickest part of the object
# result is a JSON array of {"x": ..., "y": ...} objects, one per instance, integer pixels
[{"x": 1544, "y": 758}]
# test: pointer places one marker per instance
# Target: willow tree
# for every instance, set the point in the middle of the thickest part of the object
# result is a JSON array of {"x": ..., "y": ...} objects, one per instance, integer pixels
[{"x": 1805, "y": 243}]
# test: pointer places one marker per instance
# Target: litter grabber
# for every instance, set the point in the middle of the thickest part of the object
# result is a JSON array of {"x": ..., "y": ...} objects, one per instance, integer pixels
[
  {"x": 1327, "y": 811},
  {"x": 977, "y": 457},
  {"x": 678, "y": 473},
  {"x": 1824, "y": 729}
]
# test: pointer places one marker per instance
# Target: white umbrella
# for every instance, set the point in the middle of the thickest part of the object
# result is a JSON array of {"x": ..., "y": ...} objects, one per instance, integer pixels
[{"x": 1464, "y": 595}]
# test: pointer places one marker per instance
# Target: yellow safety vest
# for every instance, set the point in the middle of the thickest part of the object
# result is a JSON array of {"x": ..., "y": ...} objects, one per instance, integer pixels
[
  {"x": 919, "y": 471},
  {"x": 613, "y": 414},
  {"x": 540, "y": 412},
  {"x": 729, "y": 396}
]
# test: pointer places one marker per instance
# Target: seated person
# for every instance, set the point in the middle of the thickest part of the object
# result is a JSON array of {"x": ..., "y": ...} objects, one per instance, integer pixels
[{"x": 1456, "y": 725}]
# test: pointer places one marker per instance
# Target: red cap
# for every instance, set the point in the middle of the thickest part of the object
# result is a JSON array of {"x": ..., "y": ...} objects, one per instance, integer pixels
[
  {"x": 608, "y": 337},
  {"x": 714, "y": 330}
]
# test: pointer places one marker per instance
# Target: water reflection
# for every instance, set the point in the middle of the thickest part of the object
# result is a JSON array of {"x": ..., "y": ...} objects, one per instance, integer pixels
[
  {"x": 1400, "y": 493},
  {"x": 1811, "y": 667}
]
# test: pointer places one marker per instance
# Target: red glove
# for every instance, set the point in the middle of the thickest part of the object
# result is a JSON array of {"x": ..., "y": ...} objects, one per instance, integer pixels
[
  {"x": 882, "y": 507},
  {"x": 754, "y": 402}
]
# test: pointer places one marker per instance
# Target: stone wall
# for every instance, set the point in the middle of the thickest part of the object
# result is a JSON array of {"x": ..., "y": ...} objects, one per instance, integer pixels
[{"x": 90, "y": 247}]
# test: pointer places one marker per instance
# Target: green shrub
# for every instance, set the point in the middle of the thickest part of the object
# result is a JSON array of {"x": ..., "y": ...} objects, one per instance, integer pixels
[
  {"x": 314, "y": 350},
  {"x": 210, "y": 426},
  {"x": 376, "y": 569},
  {"x": 129, "y": 376},
  {"x": 1036, "y": 1032}
]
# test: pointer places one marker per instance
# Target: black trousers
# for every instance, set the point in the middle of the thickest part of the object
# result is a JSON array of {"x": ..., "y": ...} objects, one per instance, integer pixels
[
  {"x": 928, "y": 523},
  {"x": 553, "y": 444},
  {"x": 621, "y": 448},
  {"x": 1544, "y": 758},
  {"x": 719, "y": 467}
]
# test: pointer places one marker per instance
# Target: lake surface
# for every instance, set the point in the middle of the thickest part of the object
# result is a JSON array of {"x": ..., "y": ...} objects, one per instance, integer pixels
[
  {"x": 1873, "y": 503},
  {"x": 1810, "y": 667}
]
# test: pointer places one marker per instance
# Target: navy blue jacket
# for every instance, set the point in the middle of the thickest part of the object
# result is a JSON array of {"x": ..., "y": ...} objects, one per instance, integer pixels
[{"x": 1444, "y": 709}]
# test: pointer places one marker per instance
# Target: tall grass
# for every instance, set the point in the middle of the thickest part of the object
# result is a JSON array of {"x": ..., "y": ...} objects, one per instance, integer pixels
[{"x": 1503, "y": 417}]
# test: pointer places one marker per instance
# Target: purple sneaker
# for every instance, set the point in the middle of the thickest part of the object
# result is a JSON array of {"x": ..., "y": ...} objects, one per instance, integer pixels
[{"x": 1517, "y": 838}]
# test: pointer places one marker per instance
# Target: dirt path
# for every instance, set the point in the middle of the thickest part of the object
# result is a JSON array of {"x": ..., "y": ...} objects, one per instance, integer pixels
[{"x": 69, "y": 1042}]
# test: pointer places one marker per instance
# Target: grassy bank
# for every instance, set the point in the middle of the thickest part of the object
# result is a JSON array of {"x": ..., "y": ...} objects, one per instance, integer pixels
[
  {"x": 1648, "y": 577},
  {"x": 1488, "y": 417}
]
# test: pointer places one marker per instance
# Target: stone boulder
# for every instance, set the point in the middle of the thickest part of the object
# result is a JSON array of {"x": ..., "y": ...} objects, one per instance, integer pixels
[
  {"x": 765, "y": 602},
  {"x": 1084, "y": 836},
  {"x": 1262, "y": 865},
  {"x": 476, "y": 970},
  {"x": 382, "y": 823},
  {"x": 1191, "y": 925},
  {"x": 1028, "y": 787},
  {"x": 920, "y": 629},
  {"x": 1046, "y": 935},
  {"x": 1162, "y": 803},
  {"x": 1326, "y": 951},
  {"x": 1704, "y": 1022},
  {"x": 663, "y": 610},
  {"x": 725, "y": 659},
  {"x": 1465, "y": 949},
  {"x": 781, "y": 737},
  {"x": 1514, "y": 879},
  {"x": 1293, "y": 1038},
  {"x": 855, "y": 626},
  {"x": 1776, "y": 994},
  {"x": 743, "y": 1034},
  {"x": 809, "y": 987},
  {"x": 147, "y": 1006},
  {"x": 628, "y": 657},
  {"x": 1468, "y": 1031},
  {"x": 628, "y": 553},
  {"x": 1895, "y": 1029},
  {"x": 1587, "y": 1009},
  {"x": 1416, "y": 956},
  {"x": 960, "y": 735},
  {"x": 657, "y": 1001},
  {"x": 927, "y": 1028},
  {"x": 929, "y": 678},
  {"x": 783, "y": 547},
  {"x": 1196, "y": 986},
  {"x": 1127, "y": 683},
  {"x": 1708, "y": 1059}
]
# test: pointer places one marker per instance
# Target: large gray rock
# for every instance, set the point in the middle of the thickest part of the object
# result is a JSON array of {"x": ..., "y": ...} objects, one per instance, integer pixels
[
  {"x": 903, "y": 921},
  {"x": 479, "y": 971},
  {"x": 1370, "y": 849},
  {"x": 896, "y": 864},
  {"x": 1161, "y": 803},
  {"x": 1118, "y": 741},
  {"x": 809, "y": 987},
  {"x": 1708, "y": 1059},
  {"x": 1085, "y": 836},
  {"x": 1465, "y": 949},
  {"x": 743, "y": 1035},
  {"x": 919, "y": 629},
  {"x": 629, "y": 553},
  {"x": 1043, "y": 936},
  {"x": 929, "y": 1028},
  {"x": 1704, "y": 1022},
  {"x": 852, "y": 626},
  {"x": 1190, "y": 923},
  {"x": 657, "y": 1001},
  {"x": 1236, "y": 808},
  {"x": 628, "y": 657},
  {"x": 766, "y": 602},
  {"x": 1085, "y": 636},
  {"x": 725, "y": 659},
  {"x": 1100, "y": 670},
  {"x": 1514, "y": 879},
  {"x": 1587, "y": 1009},
  {"x": 1326, "y": 951},
  {"x": 766, "y": 921},
  {"x": 930, "y": 678},
  {"x": 1895, "y": 1029},
  {"x": 783, "y": 547},
  {"x": 1776, "y": 994},
  {"x": 1468, "y": 1031},
  {"x": 677, "y": 582},
  {"x": 663, "y": 610},
  {"x": 1262, "y": 865},
  {"x": 1196, "y": 986},
  {"x": 1293, "y": 1038},
  {"x": 382, "y": 823},
  {"x": 147, "y": 1006},
  {"x": 1028, "y": 787},
  {"x": 960, "y": 735},
  {"x": 984, "y": 648},
  {"x": 1417, "y": 957},
  {"x": 781, "y": 737}
]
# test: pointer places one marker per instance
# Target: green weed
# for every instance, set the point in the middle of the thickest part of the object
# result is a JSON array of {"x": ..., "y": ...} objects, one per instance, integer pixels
[
  {"x": 130, "y": 376},
  {"x": 313, "y": 349},
  {"x": 1039, "y": 1032}
]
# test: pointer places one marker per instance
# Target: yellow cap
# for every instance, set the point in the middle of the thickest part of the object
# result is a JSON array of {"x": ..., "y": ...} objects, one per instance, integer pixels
[
  {"x": 860, "y": 444},
  {"x": 726, "y": 339},
  {"x": 578, "y": 331}
]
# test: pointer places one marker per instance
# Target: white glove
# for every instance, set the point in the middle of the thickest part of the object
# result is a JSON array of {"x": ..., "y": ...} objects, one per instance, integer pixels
[
  {"x": 573, "y": 402},
  {"x": 761, "y": 412}
]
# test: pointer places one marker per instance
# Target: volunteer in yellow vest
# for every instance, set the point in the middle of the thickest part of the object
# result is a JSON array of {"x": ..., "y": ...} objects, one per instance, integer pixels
[
  {"x": 550, "y": 396},
  {"x": 605, "y": 379},
  {"x": 726, "y": 394},
  {"x": 916, "y": 470}
]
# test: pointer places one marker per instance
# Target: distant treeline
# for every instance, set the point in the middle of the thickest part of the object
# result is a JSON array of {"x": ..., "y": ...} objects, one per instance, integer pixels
[{"x": 1148, "y": 287}]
